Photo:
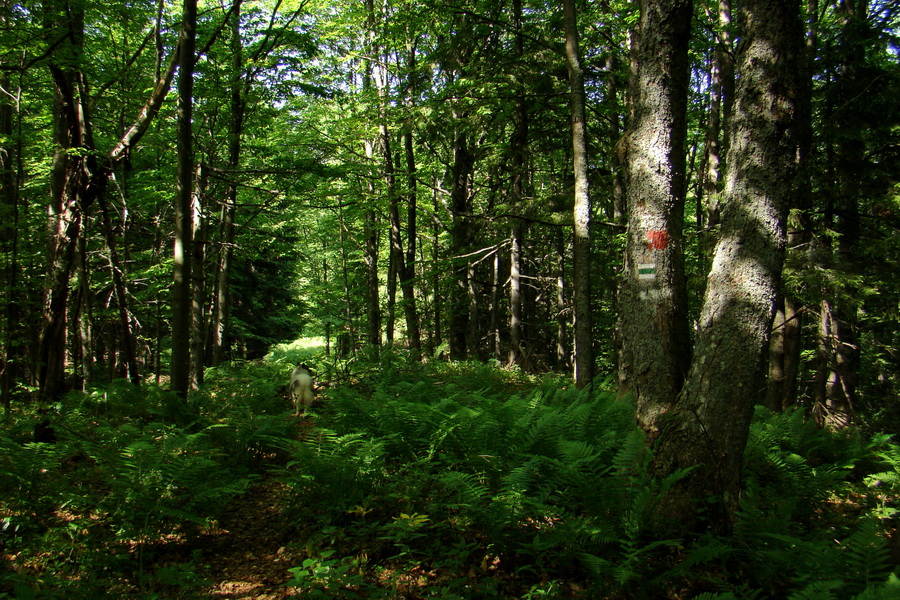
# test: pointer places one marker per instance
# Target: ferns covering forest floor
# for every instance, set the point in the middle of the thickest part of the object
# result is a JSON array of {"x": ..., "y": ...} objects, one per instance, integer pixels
[{"x": 451, "y": 481}]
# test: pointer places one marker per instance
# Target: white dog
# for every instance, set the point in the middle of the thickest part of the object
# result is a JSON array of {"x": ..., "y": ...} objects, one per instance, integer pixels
[{"x": 301, "y": 388}]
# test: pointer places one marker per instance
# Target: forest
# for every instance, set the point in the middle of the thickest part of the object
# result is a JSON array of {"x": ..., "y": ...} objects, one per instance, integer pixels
[{"x": 599, "y": 299}]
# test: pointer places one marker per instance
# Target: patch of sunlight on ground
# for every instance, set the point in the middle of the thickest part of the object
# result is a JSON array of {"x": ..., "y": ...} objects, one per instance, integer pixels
[{"x": 296, "y": 351}]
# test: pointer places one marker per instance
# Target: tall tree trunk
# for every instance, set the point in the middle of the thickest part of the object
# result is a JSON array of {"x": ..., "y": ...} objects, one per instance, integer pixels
[
  {"x": 518, "y": 147},
  {"x": 619, "y": 208},
  {"x": 370, "y": 256},
  {"x": 68, "y": 181},
  {"x": 396, "y": 269},
  {"x": 562, "y": 348},
  {"x": 437, "y": 337},
  {"x": 786, "y": 343},
  {"x": 721, "y": 91},
  {"x": 407, "y": 278},
  {"x": 784, "y": 355},
  {"x": 236, "y": 127},
  {"x": 653, "y": 297},
  {"x": 584, "y": 354},
  {"x": 180, "y": 368},
  {"x": 129, "y": 347},
  {"x": 198, "y": 278},
  {"x": 836, "y": 396},
  {"x": 347, "y": 338},
  {"x": 9, "y": 232},
  {"x": 460, "y": 232},
  {"x": 515, "y": 292},
  {"x": 708, "y": 426}
]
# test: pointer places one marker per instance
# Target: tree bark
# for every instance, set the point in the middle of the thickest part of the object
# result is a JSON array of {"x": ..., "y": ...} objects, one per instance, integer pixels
[
  {"x": 407, "y": 277},
  {"x": 786, "y": 345},
  {"x": 180, "y": 367},
  {"x": 584, "y": 354},
  {"x": 121, "y": 289},
  {"x": 707, "y": 428},
  {"x": 460, "y": 239},
  {"x": 653, "y": 297},
  {"x": 198, "y": 278},
  {"x": 721, "y": 92},
  {"x": 10, "y": 157},
  {"x": 68, "y": 183},
  {"x": 784, "y": 356},
  {"x": 518, "y": 145},
  {"x": 236, "y": 127},
  {"x": 562, "y": 347},
  {"x": 836, "y": 395}
]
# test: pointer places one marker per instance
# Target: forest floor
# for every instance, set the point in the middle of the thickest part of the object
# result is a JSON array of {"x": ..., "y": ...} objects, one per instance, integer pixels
[{"x": 246, "y": 554}]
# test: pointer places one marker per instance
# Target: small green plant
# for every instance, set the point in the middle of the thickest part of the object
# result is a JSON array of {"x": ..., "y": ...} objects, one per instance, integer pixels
[{"x": 327, "y": 577}]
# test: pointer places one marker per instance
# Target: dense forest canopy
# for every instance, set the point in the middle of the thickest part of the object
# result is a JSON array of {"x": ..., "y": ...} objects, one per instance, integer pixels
[
  {"x": 692, "y": 203},
  {"x": 399, "y": 171},
  {"x": 404, "y": 172}
]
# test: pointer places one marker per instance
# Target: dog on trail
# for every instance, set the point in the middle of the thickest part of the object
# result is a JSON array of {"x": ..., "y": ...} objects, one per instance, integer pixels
[{"x": 301, "y": 388}]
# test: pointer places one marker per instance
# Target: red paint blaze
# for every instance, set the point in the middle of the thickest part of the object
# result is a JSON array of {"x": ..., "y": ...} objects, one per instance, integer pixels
[{"x": 657, "y": 239}]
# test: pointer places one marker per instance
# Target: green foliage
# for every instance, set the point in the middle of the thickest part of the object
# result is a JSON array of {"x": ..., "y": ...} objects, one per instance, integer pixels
[
  {"x": 132, "y": 467},
  {"x": 439, "y": 480}
]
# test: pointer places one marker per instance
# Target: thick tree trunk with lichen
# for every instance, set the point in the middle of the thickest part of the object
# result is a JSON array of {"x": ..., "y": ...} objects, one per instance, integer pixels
[
  {"x": 708, "y": 426},
  {"x": 653, "y": 301}
]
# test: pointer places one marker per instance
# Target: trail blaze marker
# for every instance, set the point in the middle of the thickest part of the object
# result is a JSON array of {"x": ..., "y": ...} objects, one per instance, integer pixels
[
  {"x": 657, "y": 239},
  {"x": 646, "y": 271}
]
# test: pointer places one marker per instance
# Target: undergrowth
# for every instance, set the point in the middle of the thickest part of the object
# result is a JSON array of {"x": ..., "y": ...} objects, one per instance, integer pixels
[{"x": 419, "y": 481}]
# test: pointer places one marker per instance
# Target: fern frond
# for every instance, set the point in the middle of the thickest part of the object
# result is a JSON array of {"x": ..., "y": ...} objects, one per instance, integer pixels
[
  {"x": 867, "y": 555},
  {"x": 820, "y": 590}
]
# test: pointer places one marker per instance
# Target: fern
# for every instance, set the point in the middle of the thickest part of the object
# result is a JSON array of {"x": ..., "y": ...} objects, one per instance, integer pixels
[
  {"x": 820, "y": 590},
  {"x": 866, "y": 555},
  {"x": 888, "y": 590}
]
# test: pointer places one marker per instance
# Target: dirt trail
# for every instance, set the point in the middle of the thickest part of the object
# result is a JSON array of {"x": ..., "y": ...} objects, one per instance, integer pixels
[{"x": 247, "y": 554}]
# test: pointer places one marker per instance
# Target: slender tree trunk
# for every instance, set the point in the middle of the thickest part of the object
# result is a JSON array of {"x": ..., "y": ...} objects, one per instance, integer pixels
[
  {"x": 438, "y": 336},
  {"x": 562, "y": 349},
  {"x": 515, "y": 293},
  {"x": 707, "y": 428},
  {"x": 198, "y": 278},
  {"x": 518, "y": 147},
  {"x": 396, "y": 269},
  {"x": 619, "y": 208},
  {"x": 786, "y": 345},
  {"x": 370, "y": 256},
  {"x": 473, "y": 333},
  {"x": 460, "y": 232},
  {"x": 180, "y": 368},
  {"x": 9, "y": 232},
  {"x": 129, "y": 346},
  {"x": 348, "y": 336},
  {"x": 721, "y": 90},
  {"x": 839, "y": 367},
  {"x": 496, "y": 292},
  {"x": 584, "y": 354},
  {"x": 236, "y": 128},
  {"x": 653, "y": 297},
  {"x": 413, "y": 332}
]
